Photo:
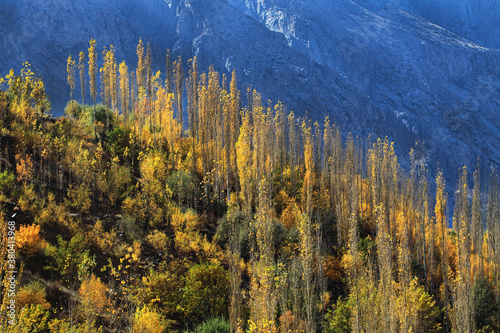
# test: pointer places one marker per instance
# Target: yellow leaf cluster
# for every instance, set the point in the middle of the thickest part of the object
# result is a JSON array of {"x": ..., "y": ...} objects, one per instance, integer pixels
[
  {"x": 28, "y": 239},
  {"x": 24, "y": 168},
  {"x": 93, "y": 294},
  {"x": 33, "y": 293},
  {"x": 148, "y": 321}
]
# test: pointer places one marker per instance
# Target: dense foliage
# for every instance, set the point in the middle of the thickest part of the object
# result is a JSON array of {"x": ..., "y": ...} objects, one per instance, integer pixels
[{"x": 247, "y": 219}]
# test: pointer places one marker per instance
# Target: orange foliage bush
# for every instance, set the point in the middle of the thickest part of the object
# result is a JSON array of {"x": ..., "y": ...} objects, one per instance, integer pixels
[
  {"x": 93, "y": 293},
  {"x": 28, "y": 239},
  {"x": 33, "y": 293}
]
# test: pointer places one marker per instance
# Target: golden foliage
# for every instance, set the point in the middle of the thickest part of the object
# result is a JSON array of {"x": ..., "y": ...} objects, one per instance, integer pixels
[
  {"x": 93, "y": 294},
  {"x": 33, "y": 293},
  {"x": 24, "y": 168},
  {"x": 158, "y": 240},
  {"x": 148, "y": 321},
  {"x": 291, "y": 214},
  {"x": 79, "y": 198},
  {"x": 28, "y": 239}
]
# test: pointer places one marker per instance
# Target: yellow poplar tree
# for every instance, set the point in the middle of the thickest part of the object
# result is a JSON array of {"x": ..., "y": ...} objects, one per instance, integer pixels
[
  {"x": 81, "y": 69},
  {"x": 93, "y": 73},
  {"x": 71, "y": 69},
  {"x": 140, "y": 70},
  {"x": 124, "y": 90},
  {"x": 245, "y": 162}
]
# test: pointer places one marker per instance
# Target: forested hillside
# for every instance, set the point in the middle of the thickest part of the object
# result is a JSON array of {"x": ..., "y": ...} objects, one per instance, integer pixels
[{"x": 174, "y": 207}]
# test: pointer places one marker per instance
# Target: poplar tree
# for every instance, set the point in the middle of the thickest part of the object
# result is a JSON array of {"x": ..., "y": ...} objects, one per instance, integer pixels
[
  {"x": 244, "y": 162},
  {"x": 108, "y": 79},
  {"x": 307, "y": 261},
  {"x": 149, "y": 73},
  {"x": 179, "y": 88},
  {"x": 93, "y": 74},
  {"x": 234, "y": 250},
  {"x": 113, "y": 76},
  {"x": 71, "y": 69},
  {"x": 441, "y": 221},
  {"x": 307, "y": 187},
  {"x": 404, "y": 259},
  {"x": 140, "y": 70},
  {"x": 233, "y": 126},
  {"x": 477, "y": 221},
  {"x": 124, "y": 90},
  {"x": 104, "y": 77},
  {"x": 81, "y": 68},
  {"x": 280, "y": 142},
  {"x": 386, "y": 285},
  {"x": 463, "y": 302},
  {"x": 192, "y": 104},
  {"x": 263, "y": 292}
]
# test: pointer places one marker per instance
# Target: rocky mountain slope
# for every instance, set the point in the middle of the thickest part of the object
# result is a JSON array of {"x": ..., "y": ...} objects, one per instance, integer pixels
[{"x": 375, "y": 67}]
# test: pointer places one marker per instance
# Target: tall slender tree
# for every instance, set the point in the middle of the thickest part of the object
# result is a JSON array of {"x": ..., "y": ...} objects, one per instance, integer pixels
[
  {"x": 93, "y": 74},
  {"x": 124, "y": 90},
  {"x": 179, "y": 88},
  {"x": 71, "y": 69},
  {"x": 81, "y": 69},
  {"x": 149, "y": 70},
  {"x": 141, "y": 67}
]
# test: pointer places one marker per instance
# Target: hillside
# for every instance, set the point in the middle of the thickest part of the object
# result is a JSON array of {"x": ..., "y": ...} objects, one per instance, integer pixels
[{"x": 250, "y": 219}]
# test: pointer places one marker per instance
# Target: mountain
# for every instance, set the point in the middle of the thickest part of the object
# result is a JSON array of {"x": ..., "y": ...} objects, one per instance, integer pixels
[{"x": 385, "y": 68}]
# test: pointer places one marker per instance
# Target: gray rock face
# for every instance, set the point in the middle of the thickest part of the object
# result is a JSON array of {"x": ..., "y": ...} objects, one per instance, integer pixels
[
  {"x": 477, "y": 20},
  {"x": 375, "y": 67}
]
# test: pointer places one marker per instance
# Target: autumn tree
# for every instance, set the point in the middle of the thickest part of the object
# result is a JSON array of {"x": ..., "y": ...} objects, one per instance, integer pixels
[
  {"x": 124, "y": 90},
  {"x": 81, "y": 69},
  {"x": 463, "y": 303},
  {"x": 193, "y": 107},
  {"x": 477, "y": 224},
  {"x": 307, "y": 187},
  {"x": 236, "y": 272},
  {"x": 386, "y": 281},
  {"x": 307, "y": 259},
  {"x": 140, "y": 70},
  {"x": 71, "y": 69},
  {"x": 263, "y": 290},
  {"x": 94, "y": 300},
  {"x": 149, "y": 70},
  {"x": 179, "y": 88},
  {"x": 29, "y": 239},
  {"x": 108, "y": 81},
  {"x": 93, "y": 74},
  {"x": 441, "y": 221},
  {"x": 244, "y": 163}
]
